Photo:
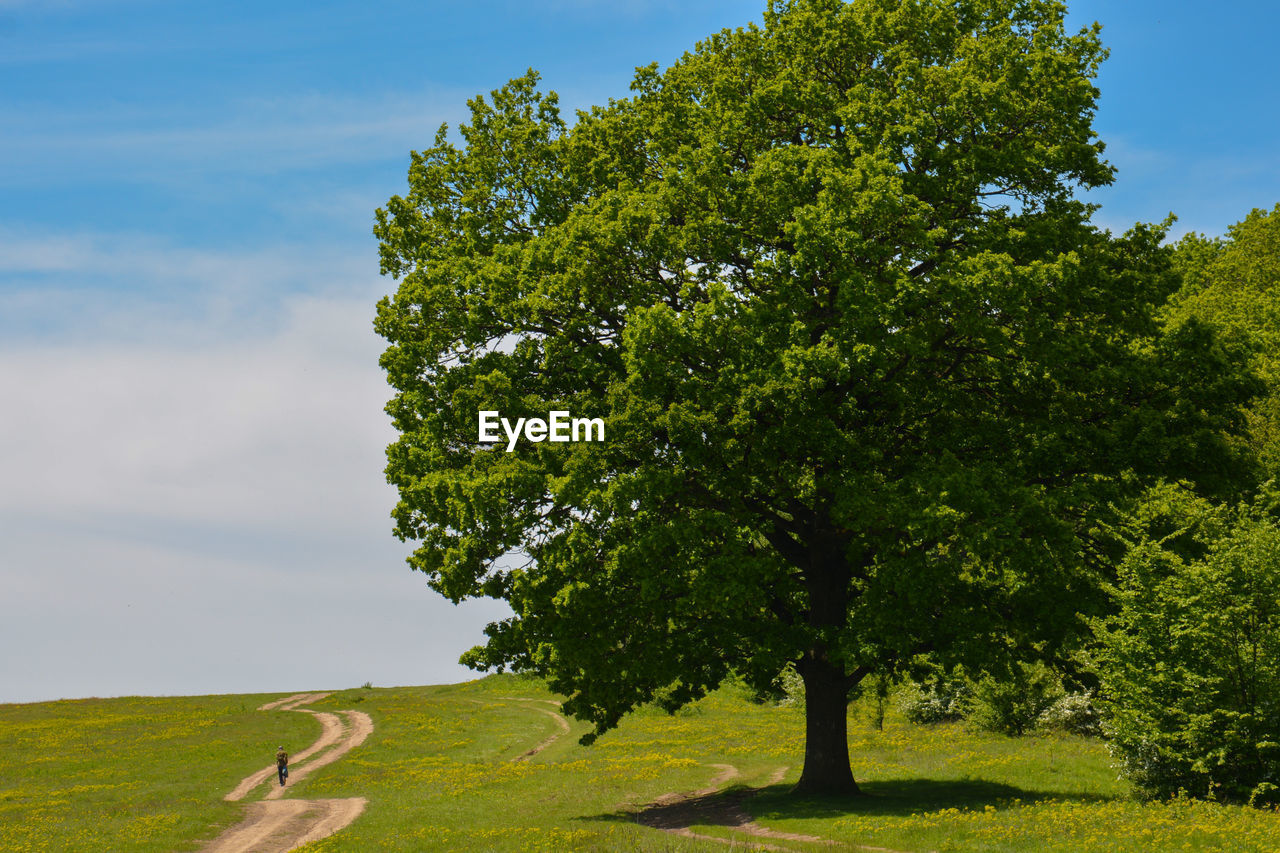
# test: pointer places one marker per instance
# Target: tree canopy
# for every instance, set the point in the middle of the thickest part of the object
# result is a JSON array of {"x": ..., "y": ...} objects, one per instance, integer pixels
[
  {"x": 1233, "y": 283},
  {"x": 870, "y": 378}
]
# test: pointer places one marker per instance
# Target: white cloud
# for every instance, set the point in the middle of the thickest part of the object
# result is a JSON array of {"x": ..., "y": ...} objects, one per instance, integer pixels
[
  {"x": 286, "y": 428},
  {"x": 81, "y": 287},
  {"x": 183, "y": 460},
  {"x": 193, "y": 385}
]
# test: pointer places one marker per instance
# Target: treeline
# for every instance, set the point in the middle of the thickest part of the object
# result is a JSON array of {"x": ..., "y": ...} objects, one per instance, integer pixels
[{"x": 1182, "y": 676}]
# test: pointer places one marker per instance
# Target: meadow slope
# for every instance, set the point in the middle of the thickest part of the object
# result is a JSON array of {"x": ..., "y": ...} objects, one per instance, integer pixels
[{"x": 489, "y": 765}]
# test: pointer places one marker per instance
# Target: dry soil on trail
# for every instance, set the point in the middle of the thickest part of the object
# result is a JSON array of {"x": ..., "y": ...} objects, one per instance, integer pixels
[
  {"x": 281, "y": 825},
  {"x": 277, "y": 825}
]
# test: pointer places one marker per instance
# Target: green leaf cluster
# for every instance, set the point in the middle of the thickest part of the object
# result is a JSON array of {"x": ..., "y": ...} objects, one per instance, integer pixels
[
  {"x": 1234, "y": 284},
  {"x": 1190, "y": 663}
]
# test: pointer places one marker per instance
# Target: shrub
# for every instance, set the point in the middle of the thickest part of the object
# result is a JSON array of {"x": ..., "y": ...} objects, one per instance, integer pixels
[
  {"x": 1073, "y": 713},
  {"x": 791, "y": 687},
  {"x": 880, "y": 703},
  {"x": 1190, "y": 664},
  {"x": 944, "y": 698},
  {"x": 1013, "y": 705}
]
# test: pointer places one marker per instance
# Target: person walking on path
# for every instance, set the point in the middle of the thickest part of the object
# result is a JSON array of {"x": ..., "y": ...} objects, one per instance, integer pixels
[{"x": 282, "y": 764}]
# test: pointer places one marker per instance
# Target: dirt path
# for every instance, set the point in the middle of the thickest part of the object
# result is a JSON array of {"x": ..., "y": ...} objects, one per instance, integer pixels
[
  {"x": 561, "y": 722},
  {"x": 710, "y": 806},
  {"x": 358, "y": 726},
  {"x": 282, "y": 825},
  {"x": 276, "y": 825}
]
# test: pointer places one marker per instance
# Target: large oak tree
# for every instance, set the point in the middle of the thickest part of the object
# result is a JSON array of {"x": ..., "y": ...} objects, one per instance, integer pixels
[{"x": 869, "y": 377}]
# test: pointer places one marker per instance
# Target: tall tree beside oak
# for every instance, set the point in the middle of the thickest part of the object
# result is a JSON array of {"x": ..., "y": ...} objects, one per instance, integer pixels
[
  {"x": 1233, "y": 283},
  {"x": 1187, "y": 659},
  {"x": 869, "y": 377}
]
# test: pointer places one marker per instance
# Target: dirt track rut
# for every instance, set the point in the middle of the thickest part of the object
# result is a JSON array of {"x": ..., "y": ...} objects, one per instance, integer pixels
[{"x": 562, "y": 726}]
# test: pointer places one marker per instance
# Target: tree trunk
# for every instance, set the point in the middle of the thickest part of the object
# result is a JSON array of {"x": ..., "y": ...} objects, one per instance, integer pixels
[{"x": 826, "y": 745}]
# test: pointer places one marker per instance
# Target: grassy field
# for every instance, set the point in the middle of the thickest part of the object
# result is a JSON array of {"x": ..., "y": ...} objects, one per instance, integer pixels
[
  {"x": 132, "y": 773},
  {"x": 149, "y": 774}
]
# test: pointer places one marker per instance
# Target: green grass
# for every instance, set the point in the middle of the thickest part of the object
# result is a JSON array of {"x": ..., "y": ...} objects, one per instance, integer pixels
[
  {"x": 138, "y": 774},
  {"x": 149, "y": 774}
]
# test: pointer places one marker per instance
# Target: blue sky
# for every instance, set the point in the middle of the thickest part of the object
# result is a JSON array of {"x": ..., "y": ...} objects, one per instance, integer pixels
[{"x": 191, "y": 430}]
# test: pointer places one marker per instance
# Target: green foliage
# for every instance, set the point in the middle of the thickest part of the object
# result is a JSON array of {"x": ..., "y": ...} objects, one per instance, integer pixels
[
  {"x": 790, "y": 687},
  {"x": 870, "y": 379},
  {"x": 1013, "y": 704},
  {"x": 1190, "y": 664},
  {"x": 1232, "y": 283},
  {"x": 880, "y": 701}
]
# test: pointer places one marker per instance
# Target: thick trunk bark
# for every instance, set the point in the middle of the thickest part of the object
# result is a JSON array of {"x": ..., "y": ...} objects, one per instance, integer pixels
[{"x": 826, "y": 747}]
